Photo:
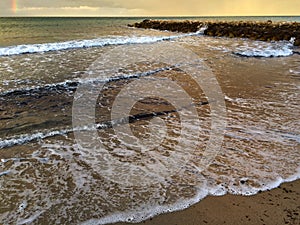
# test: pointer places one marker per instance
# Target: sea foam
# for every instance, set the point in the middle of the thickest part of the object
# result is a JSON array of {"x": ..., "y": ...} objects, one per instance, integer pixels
[
  {"x": 76, "y": 44},
  {"x": 70, "y": 85},
  {"x": 144, "y": 214},
  {"x": 265, "y": 49}
]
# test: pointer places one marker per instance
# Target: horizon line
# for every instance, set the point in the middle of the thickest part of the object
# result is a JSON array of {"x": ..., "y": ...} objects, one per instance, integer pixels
[{"x": 141, "y": 16}]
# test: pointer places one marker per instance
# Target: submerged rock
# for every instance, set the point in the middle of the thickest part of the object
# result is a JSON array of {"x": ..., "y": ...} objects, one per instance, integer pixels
[{"x": 264, "y": 31}]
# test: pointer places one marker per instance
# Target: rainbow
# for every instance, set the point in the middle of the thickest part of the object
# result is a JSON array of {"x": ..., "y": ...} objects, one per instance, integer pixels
[{"x": 14, "y": 6}]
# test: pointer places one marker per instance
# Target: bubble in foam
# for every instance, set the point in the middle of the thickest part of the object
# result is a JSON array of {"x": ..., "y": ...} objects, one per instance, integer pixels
[{"x": 22, "y": 206}]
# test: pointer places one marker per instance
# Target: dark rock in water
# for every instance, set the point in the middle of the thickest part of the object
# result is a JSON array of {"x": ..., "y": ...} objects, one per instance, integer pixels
[
  {"x": 175, "y": 26},
  {"x": 243, "y": 181},
  {"x": 264, "y": 31},
  {"x": 255, "y": 31}
]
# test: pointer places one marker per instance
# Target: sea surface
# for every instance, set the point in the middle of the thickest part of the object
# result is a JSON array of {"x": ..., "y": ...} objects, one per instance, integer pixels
[{"x": 101, "y": 123}]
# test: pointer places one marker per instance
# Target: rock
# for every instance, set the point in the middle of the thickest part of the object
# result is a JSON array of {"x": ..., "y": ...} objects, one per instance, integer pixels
[
  {"x": 231, "y": 35},
  {"x": 243, "y": 181},
  {"x": 265, "y": 31}
]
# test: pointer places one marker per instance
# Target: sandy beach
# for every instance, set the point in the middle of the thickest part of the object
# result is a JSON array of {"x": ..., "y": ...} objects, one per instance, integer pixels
[
  {"x": 152, "y": 139},
  {"x": 277, "y": 206}
]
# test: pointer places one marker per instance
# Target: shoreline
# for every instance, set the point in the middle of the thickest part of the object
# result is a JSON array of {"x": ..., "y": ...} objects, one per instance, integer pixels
[
  {"x": 263, "y": 31},
  {"x": 277, "y": 206}
]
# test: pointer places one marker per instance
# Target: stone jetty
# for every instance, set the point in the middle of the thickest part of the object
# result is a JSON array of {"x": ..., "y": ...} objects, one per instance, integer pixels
[{"x": 264, "y": 31}]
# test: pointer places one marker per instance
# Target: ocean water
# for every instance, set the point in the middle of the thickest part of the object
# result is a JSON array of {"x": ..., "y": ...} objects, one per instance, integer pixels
[{"x": 101, "y": 123}]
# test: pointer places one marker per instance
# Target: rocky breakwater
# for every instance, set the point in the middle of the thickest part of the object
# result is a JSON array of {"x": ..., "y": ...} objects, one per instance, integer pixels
[
  {"x": 174, "y": 26},
  {"x": 264, "y": 31}
]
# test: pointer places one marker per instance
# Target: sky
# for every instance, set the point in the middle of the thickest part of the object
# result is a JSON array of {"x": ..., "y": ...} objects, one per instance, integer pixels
[{"x": 148, "y": 7}]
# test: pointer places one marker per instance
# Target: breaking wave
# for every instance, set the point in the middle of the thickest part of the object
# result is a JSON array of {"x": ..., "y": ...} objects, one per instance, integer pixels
[
  {"x": 76, "y": 44},
  {"x": 265, "y": 49}
]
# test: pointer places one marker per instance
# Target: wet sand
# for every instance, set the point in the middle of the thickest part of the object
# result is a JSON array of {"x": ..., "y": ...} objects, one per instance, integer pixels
[{"x": 277, "y": 206}]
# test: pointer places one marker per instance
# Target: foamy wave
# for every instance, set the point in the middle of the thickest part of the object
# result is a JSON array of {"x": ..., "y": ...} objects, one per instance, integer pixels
[
  {"x": 265, "y": 49},
  {"x": 73, "y": 84},
  {"x": 146, "y": 213},
  {"x": 22, "y": 139},
  {"x": 99, "y": 42}
]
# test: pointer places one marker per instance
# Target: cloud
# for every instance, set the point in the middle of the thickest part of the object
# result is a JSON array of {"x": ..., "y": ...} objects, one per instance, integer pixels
[
  {"x": 127, "y": 4},
  {"x": 151, "y": 7},
  {"x": 78, "y": 11}
]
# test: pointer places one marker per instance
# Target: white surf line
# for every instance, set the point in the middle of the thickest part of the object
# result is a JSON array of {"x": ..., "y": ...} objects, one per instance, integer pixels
[
  {"x": 25, "y": 138},
  {"x": 77, "y": 44},
  {"x": 73, "y": 84}
]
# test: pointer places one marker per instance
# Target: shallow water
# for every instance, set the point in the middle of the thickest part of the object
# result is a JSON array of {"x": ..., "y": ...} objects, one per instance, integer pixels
[{"x": 47, "y": 177}]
